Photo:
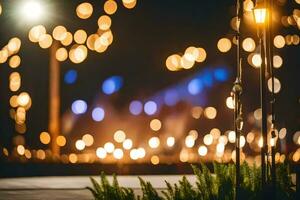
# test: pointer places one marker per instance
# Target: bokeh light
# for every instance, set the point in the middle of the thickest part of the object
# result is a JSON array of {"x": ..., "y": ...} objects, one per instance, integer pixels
[
  {"x": 98, "y": 114},
  {"x": 84, "y": 10},
  {"x": 150, "y": 107},
  {"x": 70, "y": 76},
  {"x": 224, "y": 45},
  {"x": 79, "y": 107},
  {"x": 112, "y": 85},
  {"x": 155, "y": 124},
  {"x": 154, "y": 142},
  {"x": 119, "y": 136},
  {"x": 135, "y": 107}
]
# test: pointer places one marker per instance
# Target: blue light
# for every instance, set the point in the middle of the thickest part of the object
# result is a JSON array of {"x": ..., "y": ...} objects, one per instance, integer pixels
[
  {"x": 70, "y": 76},
  {"x": 112, "y": 85},
  {"x": 98, "y": 114},
  {"x": 136, "y": 107},
  {"x": 195, "y": 86},
  {"x": 171, "y": 97},
  {"x": 207, "y": 78},
  {"x": 79, "y": 107},
  {"x": 221, "y": 74},
  {"x": 150, "y": 107}
]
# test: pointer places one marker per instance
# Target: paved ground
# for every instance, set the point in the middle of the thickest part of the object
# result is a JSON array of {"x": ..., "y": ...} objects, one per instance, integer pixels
[{"x": 71, "y": 187}]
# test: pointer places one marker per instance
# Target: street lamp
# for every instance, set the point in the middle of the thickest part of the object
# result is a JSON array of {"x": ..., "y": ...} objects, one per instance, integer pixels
[
  {"x": 260, "y": 14},
  {"x": 33, "y": 11}
]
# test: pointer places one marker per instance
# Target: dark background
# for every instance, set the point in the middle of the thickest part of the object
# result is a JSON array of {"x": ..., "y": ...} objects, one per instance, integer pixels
[{"x": 143, "y": 38}]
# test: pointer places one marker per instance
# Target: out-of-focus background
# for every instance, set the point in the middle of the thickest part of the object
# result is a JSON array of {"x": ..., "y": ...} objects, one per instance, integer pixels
[{"x": 137, "y": 87}]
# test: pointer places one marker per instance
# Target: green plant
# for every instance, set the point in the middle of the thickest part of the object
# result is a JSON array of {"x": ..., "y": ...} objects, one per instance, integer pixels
[{"x": 219, "y": 185}]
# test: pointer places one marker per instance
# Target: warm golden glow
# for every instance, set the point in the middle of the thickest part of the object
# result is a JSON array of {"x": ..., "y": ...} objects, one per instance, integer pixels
[
  {"x": 45, "y": 41},
  {"x": 170, "y": 141},
  {"x": 256, "y": 60},
  {"x": 277, "y": 85},
  {"x": 154, "y": 142},
  {"x": 224, "y": 45},
  {"x": 68, "y": 40},
  {"x": 196, "y": 112},
  {"x": 231, "y": 136},
  {"x": 282, "y": 133},
  {"x": 14, "y": 61},
  {"x": 249, "y": 45},
  {"x": 21, "y": 149},
  {"x": 14, "y": 45},
  {"x": 40, "y": 154},
  {"x": 61, "y": 54},
  {"x": 101, "y": 153},
  {"x": 23, "y": 99},
  {"x": 194, "y": 134},
  {"x": 119, "y": 136},
  {"x": 201, "y": 55},
  {"x": 208, "y": 139},
  {"x": 27, "y": 154},
  {"x": 260, "y": 14},
  {"x": 104, "y": 22},
  {"x": 88, "y": 140},
  {"x": 110, "y": 7},
  {"x": 45, "y": 138},
  {"x": 78, "y": 53},
  {"x": 59, "y": 33},
  {"x": 230, "y": 102},
  {"x": 279, "y": 41},
  {"x": 14, "y": 81},
  {"x": 80, "y": 36},
  {"x": 202, "y": 151},
  {"x": 127, "y": 144},
  {"x": 155, "y": 124},
  {"x": 210, "y": 113},
  {"x": 13, "y": 101},
  {"x": 61, "y": 140},
  {"x": 186, "y": 63},
  {"x": 134, "y": 154},
  {"x": 189, "y": 141},
  {"x": 84, "y": 10},
  {"x": 36, "y": 32},
  {"x": 215, "y": 133},
  {"x": 118, "y": 154},
  {"x": 173, "y": 62},
  {"x": 129, "y": 3},
  {"x": 73, "y": 158},
  {"x": 91, "y": 41},
  {"x": 109, "y": 147},
  {"x": 184, "y": 155},
  {"x": 80, "y": 145},
  {"x": 277, "y": 61},
  {"x": 155, "y": 160}
]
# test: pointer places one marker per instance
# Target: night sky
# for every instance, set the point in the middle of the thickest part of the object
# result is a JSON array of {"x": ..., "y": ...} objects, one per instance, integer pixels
[{"x": 143, "y": 38}]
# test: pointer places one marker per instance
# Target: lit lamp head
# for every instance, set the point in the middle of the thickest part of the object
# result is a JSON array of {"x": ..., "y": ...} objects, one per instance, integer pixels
[
  {"x": 260, "y": 13},
  {"x": 32, "y": 10}
]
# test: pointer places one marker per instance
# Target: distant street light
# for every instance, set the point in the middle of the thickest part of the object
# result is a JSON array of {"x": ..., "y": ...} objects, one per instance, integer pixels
[
  {"x": 260, "y": 13},
  {"x": 32, "y": 11}
]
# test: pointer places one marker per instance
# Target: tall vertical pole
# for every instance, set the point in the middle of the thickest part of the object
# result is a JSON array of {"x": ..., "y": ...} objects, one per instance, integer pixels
[
  {"x": 236, "y": 93},
  {"x": 271, "y": 72},
  {"x": 263, "y": 107},
  {"x": 54, "y": 98}
]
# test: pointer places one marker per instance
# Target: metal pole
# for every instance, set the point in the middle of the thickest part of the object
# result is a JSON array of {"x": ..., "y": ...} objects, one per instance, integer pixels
[
  {"x": 270, "y": 63},
  {"x": 263, "y": 108},
  {"x": 236, "y": 93},
  {"x": 54, "y": 98}
]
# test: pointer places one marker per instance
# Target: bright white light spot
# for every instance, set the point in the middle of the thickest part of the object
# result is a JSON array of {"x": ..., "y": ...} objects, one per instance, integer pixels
[
  {"x": 170, "y": 141},
  {"x": 32, "y": 10}
]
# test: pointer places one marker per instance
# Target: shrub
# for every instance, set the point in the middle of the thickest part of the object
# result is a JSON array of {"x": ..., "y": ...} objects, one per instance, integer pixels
[{"x": 209, "y": 186}]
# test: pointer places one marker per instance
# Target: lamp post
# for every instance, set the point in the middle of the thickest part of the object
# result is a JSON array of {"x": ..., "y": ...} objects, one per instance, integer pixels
[
  {"x": 32, "y": 11},
  {"x": 260, "y": 13},
  {"x": 236, "y": 94}
]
